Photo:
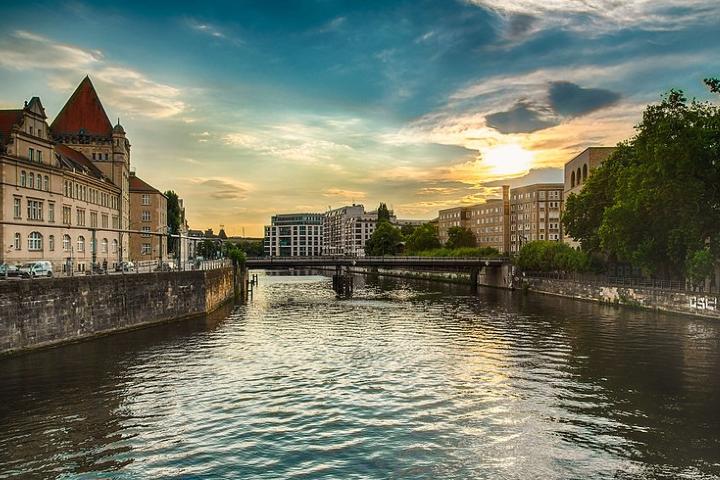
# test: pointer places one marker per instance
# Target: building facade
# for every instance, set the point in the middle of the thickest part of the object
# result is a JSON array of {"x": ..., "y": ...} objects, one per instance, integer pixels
[
  {"x": 347, "y": 229},
  {"x": 294, "y": 235},
  {"x": 148, "y": 214},
  {"x": 535, "y": 214},
  {"x": 55, "y": 204},
  {"x": 451, "y": 217},
  {"x": 578, "y": 170},
  {"x": 490, "y": 222}
]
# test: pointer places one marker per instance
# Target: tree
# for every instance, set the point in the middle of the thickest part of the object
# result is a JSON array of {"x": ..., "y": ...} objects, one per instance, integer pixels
[
  {"x": 459, "y": 237},
  {"x": 656, "y": 200},
  {"x": 208, "y": 249},
  {"x": 424, "y": 237},
  {"x": 548, "y": 256},
  {"x": 383, "y": 213},
  {"x": 174, "y": 218},
  {"x": 385, "y": 240},
  {"x": 407, "y": 229}
]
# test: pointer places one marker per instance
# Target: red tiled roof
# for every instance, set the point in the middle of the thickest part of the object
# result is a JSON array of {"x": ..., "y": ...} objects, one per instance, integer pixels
[
  {"x": 83, "y": 111},
  {"x": 79, "y": 158},
  {"x": 8, "y": 118},
  {"x": 138, "y": 185}
]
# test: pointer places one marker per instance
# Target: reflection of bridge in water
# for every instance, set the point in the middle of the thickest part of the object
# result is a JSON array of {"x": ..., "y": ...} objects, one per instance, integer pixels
[{"x": 493, "y": 271}]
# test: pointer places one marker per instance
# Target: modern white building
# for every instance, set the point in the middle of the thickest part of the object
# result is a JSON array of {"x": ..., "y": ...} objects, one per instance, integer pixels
[{"x": 294, "y": 235}]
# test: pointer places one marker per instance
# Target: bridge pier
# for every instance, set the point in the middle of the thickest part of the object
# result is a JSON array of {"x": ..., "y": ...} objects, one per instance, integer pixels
[
  {"x": 343, "y": 284},
  {"x": 474, "y": 274}
]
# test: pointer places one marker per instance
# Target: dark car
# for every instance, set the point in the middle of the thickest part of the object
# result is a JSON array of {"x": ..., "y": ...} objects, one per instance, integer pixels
[{"x": 7, "y": 270}]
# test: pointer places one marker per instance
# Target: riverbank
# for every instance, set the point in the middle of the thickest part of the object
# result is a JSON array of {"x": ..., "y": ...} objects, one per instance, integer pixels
[{"x": 52, "y": 311}]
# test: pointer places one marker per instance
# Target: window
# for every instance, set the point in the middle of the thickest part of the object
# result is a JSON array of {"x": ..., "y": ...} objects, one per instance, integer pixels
[
  {"x": 104, "y": 245},
  {"x": 145, "y": 216},
  {"x": 39, "y": 156},
  {"x": 31, "y": 129},
  {"x": 66, "y": 243},
  {"x": 146, "y": 199},
  {"x": 114, "y": 246},
  {"x": 34, "y": 210},
  {"x": 31, "y": 155},
  {"x": 17, "y": 207},
  {"x": 34, "y": 242},
  {"x": 80, "y": 217},
  {"x": 93, "y": 219},
  {"x": 23, "y": 178},
  {"x": 17, "y": 243},
  {"x": 115, "y": 221},
  {"x": 147, "y": 230},
  {"x": 38, "y": 182},
  {"x": 51, "y": 212},
  {"x": 46, "y": 187},
  {"x": 51, "y": 243},
  {"x": 585, "y": 171},
  {"x": 31, "y": 180},
  {"x": 81, "y": 244},
  {"x": 67, "y": 215},
  {"x": 104, "y": 220},
  {"x": 146, "y": 249}
]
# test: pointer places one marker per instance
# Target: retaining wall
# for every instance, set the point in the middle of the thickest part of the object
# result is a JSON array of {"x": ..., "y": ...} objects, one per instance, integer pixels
[
  {"x": 47, "y": 311},
  {"x": 699, "y": 304}
]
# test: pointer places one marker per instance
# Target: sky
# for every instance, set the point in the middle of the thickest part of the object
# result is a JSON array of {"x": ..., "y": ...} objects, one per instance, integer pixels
[{"x": 247, "y": 109}]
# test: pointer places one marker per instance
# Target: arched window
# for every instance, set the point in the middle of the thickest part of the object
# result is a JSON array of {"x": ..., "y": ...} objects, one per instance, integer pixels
[
  {"x": 104, "y": 245},
  {"x": 51, "y": 243},
  {"x": 47, "y": 184},
  {"x": 584, "y": 172},
  {"x": 81, "y": 244},
  {"x": 572, "y": 179},
  {"x": 35, "y": 241},
  {"x": 31, "y": 180},
  {"x": 66, "y": 243},
  {"x": 114, "y": 246},
  {"x": 18, "y": 242},
  {"x": 38, "y": 182},
  {"x": 23, "y": 178},
  {"x": 579, "y": 181}
]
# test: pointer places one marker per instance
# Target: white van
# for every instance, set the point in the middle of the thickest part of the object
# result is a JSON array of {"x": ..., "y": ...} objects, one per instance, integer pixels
[{"x": 42, "y": 268}]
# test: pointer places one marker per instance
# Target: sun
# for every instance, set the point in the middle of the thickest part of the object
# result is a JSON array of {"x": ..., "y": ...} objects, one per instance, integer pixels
[{"x": 509, "y": 159}]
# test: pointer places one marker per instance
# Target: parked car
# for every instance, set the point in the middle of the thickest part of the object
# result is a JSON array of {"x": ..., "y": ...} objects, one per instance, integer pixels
[
  {"x": 7, "y": 270},
  {"x": 42, "y": 268},
  {"x": 125, "y": 267}
]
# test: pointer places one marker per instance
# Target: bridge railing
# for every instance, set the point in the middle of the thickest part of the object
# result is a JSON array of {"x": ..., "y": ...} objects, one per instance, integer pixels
[{"x": 388, "y": 259}]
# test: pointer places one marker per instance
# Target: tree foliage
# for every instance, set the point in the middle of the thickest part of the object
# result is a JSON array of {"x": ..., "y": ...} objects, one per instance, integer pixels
[
  {"x": 174, "y": 215},
  {"x": 385, "y": 240},
  {"x": 234, "y": 253},
  {"x": 547, "y": 256},
  {"x": 459, "y": 237},
  {"x": 383, "y": 213},
  {"x": 424, "y": 237},
  {"x": 655, "y": 201},
  {"x": 208, "y": 249}
]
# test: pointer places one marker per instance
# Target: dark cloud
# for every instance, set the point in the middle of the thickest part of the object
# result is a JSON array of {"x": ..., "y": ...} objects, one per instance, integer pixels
[
  {"x": 223, "y": 190},
  {"x": 571, "y": 100},
  {"x": 522, "y": 118}
]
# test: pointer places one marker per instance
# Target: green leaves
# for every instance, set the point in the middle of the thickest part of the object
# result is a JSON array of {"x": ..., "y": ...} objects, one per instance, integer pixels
[
  {"x": 422, "y": 238},
  {"x": 385, "y": 240},
  {"x": 459, "y": 237},
  {"x": 547, "y": 256}
]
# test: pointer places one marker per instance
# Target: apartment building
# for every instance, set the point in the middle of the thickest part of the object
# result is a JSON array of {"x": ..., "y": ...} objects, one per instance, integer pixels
[
  {"x": 347, "y": 229},
  {"x": 490, "y": 222},
  {"x": 148, "y": 214},
  {"x": 55, "y": 204},
  {"x": 535, "y": 214},
  {"x": 294, "y": 235},
  {"x": 451, "y": 217},
  {"x": 577, "y": 172}
]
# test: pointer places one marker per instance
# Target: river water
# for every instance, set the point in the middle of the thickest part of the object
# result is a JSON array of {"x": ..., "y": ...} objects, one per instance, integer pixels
[{"x": 405, "y": 380}]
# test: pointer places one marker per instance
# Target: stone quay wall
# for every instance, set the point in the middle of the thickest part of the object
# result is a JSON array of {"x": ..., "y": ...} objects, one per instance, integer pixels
[
  {"x": 686, "y": 303},
  {"x": 48, "y": 311}
]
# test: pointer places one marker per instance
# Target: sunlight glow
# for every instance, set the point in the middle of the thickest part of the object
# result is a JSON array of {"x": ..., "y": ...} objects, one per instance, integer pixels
[{"x": 509, "y": 159}]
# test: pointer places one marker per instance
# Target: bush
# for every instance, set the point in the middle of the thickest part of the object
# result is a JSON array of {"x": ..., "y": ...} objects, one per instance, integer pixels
[
  {"x": 547, "y": 256},
  {"x": 460, "y": 252}
]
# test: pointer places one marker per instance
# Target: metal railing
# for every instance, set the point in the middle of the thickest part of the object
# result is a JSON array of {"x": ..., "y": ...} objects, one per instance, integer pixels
[{"x": 630, "y": 282}]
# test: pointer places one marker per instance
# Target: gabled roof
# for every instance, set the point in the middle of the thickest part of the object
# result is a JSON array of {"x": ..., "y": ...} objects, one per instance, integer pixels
[
  {"x": 8, "y": 118},
  {"x": 73, "y": 159},
  {"x": 138, "y": 185},
  {"x": 83, "y": 113}
]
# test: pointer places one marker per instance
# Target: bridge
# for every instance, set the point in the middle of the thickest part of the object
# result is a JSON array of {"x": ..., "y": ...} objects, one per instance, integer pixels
[{"x": 491, "y": 268}]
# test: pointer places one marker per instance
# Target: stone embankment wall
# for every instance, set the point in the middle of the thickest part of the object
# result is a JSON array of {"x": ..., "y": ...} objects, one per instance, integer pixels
[
  {"x": 700, "y": 304},
  {"x": 47, "y": 311}
]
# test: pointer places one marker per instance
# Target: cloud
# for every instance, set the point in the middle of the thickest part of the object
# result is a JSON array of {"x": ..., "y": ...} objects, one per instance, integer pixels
[
  {"x": 222, "y": 188},
  {"x": 522, "y": 118},
  {"x": 127, "y": 91},
  {"x": 333, "y": 25},
  {"x": 594, "y": 17},
  {"x": 211, "y": 30},
  {"x": 344, "y": 194},
  {"x": 569, "y": 99}
]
